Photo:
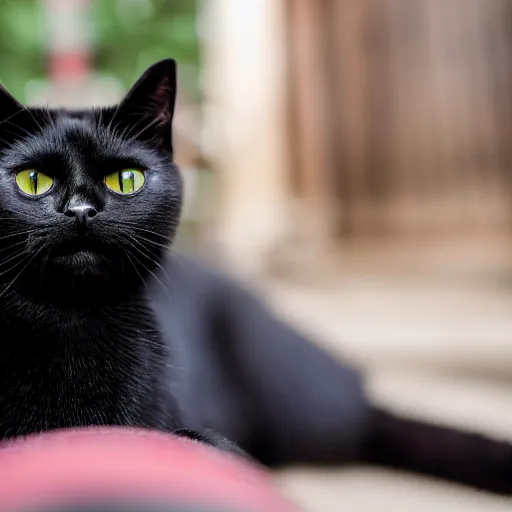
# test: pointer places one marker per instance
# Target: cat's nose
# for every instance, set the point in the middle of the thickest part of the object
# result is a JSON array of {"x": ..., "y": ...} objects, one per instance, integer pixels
[{"x": 83, "y": 215}]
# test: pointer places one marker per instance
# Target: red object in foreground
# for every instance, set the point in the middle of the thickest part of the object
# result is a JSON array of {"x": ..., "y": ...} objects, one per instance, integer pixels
[{"x": 136, "y": 470}]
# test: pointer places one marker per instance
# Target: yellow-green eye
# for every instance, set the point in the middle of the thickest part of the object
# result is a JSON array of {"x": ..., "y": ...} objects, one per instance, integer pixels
[
  {"x": 33, "y": 183},
  {"x": 126, "y": 181}
]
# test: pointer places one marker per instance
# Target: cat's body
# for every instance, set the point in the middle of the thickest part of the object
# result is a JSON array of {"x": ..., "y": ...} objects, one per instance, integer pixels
[
  {"x": 191, "y": 350},
  {"x": 79, "y": 340},
  {"x": 100, "y": 325},
  {"x": 240, "y": 370}
]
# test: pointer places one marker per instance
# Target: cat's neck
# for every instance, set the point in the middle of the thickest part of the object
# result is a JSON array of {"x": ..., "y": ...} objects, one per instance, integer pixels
[
  {"x": 74, "y": 327},
  {"x": 71, "y": 296},
  {"x": 67, "y": 315}
]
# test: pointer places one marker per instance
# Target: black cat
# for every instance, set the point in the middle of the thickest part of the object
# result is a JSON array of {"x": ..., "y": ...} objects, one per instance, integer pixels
[{"x": 100, "y": 327}]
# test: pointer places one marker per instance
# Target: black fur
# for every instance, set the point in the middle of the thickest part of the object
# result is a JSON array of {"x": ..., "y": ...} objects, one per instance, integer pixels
[
  {"x": 80, "y": 343},
  {"x": 102, "y": 327}
]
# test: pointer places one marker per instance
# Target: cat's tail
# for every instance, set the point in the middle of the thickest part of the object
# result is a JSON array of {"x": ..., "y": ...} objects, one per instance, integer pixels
[{"x": 450, "y": 454}]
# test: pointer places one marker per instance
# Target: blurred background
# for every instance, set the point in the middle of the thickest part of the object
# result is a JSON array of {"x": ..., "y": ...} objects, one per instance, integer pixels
[{"x": 350, "y": 159}]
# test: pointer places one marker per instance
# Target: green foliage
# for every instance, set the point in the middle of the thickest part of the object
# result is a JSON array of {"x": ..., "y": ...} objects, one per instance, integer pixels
[
  {"x": 127, "y": 36},
  {"x": 130, "y": 35},
  {"x": 21, "y": 44}
]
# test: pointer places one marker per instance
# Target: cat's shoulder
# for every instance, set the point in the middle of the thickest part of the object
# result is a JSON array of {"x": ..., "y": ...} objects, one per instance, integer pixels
[
  {"x": 182, "y": 271},
  {"x": 193, "y": 283}
]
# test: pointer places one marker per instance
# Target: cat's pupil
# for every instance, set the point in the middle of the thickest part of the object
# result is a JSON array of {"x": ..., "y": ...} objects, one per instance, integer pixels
[
  {"x": 33, "y": 182},
  {"x": 127, "y": 181}
]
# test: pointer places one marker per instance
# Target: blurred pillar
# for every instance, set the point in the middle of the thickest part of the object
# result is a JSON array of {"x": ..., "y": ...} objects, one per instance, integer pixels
[
  {"x": 245, "y": 127},
  {"x": 349, "y": 24},
  {"x": 68, "y": 40},
  {"x": 313, "y": 123},
  {"x": 71, "y": 81}
]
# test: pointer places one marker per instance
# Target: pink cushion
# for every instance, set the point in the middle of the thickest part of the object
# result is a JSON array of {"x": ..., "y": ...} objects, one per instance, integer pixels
[{"x": 82, "y": 466}]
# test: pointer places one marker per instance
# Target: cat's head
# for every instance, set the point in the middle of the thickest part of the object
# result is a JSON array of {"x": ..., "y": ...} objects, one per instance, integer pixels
[{"x": 89, "y": 199}]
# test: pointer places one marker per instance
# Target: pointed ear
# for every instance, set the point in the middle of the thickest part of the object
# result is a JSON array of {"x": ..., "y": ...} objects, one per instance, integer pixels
[
  {"x": 15, "y": 121},
  {"x": 9, "y": 105},
  {"x": 148, "y": 107}
]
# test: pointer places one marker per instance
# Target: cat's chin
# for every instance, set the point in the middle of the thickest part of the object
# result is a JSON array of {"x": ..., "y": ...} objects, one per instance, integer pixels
[{"x": 81, "y": 260}]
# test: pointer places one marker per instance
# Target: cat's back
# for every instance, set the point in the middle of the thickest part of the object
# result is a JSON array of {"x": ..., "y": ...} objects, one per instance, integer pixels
[
  {"x": 187, "y": 299},
  {"x": 235, "y": 367}
]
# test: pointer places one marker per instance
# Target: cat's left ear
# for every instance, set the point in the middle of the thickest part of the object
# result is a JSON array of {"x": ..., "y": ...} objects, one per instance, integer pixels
[
  {"x": 16, "y": 121},
  {"x": 148, "y": 107}
]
